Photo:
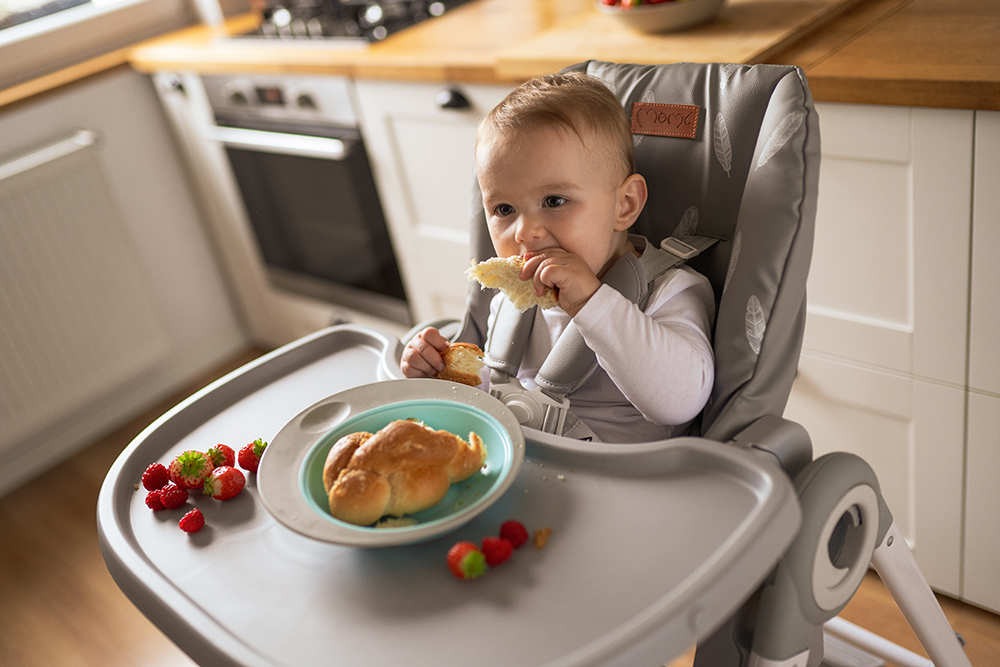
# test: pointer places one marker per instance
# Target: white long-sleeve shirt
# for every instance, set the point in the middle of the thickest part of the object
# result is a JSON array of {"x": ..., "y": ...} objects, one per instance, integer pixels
[{"x": 656, "y": 366}]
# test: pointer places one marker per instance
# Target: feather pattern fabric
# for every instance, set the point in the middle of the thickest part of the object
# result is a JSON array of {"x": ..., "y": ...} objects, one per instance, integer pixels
[{"x": 722, "y": 144}]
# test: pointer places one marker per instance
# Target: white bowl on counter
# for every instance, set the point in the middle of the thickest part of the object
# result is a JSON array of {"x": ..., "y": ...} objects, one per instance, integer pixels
[{"x": 667, "y": 16}]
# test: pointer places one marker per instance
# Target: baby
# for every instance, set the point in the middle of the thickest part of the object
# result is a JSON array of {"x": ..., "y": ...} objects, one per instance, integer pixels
[{"x": 555, "y": 167}]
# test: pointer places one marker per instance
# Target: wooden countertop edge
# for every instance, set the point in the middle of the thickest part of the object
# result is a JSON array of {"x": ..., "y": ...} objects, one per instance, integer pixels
[{"x": 64, "y": 77}]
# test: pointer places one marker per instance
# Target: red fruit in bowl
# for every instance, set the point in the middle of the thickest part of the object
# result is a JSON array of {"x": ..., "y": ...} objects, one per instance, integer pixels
[
  {"x": 189, "y": 469},
  {"x": 221, "y": 455},
  {"x": 249, "y": 456},
  {"x": 224, "y": 483}
]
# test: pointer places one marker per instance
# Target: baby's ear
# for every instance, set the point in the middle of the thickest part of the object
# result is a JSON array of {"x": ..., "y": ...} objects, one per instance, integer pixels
[{"x": 631, "y": 200}]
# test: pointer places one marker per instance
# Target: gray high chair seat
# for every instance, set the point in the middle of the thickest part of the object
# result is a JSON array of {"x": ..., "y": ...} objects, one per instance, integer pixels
[{"x": 743, "y": 190}]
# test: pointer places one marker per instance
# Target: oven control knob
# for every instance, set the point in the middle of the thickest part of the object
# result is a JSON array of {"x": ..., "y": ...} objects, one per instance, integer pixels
[
  {"x": 238, "y": 95},
  {"x": 306, "y": 101}
]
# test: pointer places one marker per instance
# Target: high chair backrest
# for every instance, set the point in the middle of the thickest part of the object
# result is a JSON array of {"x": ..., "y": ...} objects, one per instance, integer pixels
[{"x": 747, "y": 177}]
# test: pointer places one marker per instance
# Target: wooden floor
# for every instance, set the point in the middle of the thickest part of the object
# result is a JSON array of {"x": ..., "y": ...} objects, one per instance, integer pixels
[{"x": 59, "y": 606}]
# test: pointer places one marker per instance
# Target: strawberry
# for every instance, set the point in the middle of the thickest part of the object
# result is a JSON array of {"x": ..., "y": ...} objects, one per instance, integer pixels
[
  {"x": 515, "y": 532},
  {"x": 190, "y": 469},
  {"x": 155, "y": 476},
  {"x": 466, "y": 561},
  {"x": 249, "y": 456},
  {"x": 221, "y": 455},
  {"x": 172, "y": 496},
  {"x": 192, "y": 522},
  {"x": 224, "y": 483},
  {"x": 496, "y": 550},
  {"x": 154, "y": 500}
]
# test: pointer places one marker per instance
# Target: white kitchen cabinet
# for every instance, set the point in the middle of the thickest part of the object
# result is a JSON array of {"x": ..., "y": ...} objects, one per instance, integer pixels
[
  {"x": 422, "y": 156},
  {"x": 884, "y": 360},
  {"x": 981, "y": 574},
  {"x": 111, "y": 295}
]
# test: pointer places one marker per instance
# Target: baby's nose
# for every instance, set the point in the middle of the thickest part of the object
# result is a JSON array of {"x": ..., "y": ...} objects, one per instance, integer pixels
[{"x": 528, "y": 228}]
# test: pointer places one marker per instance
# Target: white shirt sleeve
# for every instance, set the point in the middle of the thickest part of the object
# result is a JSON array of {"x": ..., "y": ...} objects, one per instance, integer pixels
[{"x": 660, "y": 359}]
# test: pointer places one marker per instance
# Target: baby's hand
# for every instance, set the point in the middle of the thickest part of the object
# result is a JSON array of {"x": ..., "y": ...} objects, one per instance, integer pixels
[
  {"x": 566, "y": 273},
  {"x": 423, "y": 355}
]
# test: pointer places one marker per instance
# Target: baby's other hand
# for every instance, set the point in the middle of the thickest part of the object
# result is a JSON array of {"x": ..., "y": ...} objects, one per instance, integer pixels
[
  {"x": 423, "y": 355},
  {"x": 566, "y": 273}
]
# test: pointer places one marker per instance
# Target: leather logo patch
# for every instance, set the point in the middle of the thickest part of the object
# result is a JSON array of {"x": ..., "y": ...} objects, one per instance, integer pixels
[{"x": 665, "y": 120}]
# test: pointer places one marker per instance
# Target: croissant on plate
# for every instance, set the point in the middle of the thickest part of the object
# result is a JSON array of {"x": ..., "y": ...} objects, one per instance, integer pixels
[{"x": 403, "y": 468}]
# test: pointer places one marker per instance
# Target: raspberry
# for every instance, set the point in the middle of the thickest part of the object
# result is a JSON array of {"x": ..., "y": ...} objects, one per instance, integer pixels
[
  {"x": 497, "y": 550},
  {"x": 515, "y": 532},
  {"x": 155, "y": 476},
  {"x": 192, "y": 522},
  {"x": 173, "y": 496},
  {"x": 154, "y": 500}
]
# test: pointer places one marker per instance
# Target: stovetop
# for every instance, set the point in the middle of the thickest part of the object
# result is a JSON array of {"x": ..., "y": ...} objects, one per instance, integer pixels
[{"x": 355, "y": 20}]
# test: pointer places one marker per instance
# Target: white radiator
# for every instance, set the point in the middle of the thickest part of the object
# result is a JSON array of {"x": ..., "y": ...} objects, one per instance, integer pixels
[{"x": 76, "y": 307}]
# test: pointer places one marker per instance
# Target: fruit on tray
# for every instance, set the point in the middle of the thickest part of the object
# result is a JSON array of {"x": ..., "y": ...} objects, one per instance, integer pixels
[
  {"x": 154, "y": 500},
  {"x": 192, "y": 522},
  {"x": 221, "y": 455},
  {"x": 224, "y": 482},
  {"x": 249, "y": 456},
  {"x": 514, "y": 532},
  {"x": 189, "y": 469},
  {"x": 496, "y": 550},
  {"x": 155, "y": 476},
  {"x": 172, "y": 496},
  {"x": 404, "y": 468},
  {"x": 466, "y": 561}
]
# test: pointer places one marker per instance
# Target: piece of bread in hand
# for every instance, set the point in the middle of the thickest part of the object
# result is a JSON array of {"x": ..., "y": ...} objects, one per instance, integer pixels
[
  {"x": 503, "y": 273},
  {"x": 462, "y": 363},
  {"x": 403, "y": 468}
]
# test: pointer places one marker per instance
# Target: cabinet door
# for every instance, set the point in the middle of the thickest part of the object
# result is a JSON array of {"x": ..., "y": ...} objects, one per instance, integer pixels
[
  {"x": 422, "y": 155},
  {"x": 910, "y": 432},
  {"x": 982, "y": 494},
  {"x": 889, "y": 279}
]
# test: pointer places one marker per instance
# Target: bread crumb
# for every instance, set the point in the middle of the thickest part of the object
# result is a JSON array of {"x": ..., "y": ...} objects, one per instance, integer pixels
[{"x": 542, "y": 537}]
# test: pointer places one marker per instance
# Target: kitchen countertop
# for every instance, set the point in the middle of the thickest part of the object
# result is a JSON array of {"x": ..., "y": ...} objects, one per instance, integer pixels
[{"x": 938, "y": 53}]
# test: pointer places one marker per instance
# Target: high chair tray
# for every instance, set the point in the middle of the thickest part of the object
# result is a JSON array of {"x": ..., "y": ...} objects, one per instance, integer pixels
[{"x": 651, "y": 545}]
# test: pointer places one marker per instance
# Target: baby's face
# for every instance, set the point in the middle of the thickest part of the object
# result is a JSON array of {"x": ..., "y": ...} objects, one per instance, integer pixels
[{"x": 544, "y": 188}]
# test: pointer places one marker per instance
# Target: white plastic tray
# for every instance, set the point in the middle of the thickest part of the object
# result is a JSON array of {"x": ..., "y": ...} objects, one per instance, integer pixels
[{"x": 652, "y": 545}]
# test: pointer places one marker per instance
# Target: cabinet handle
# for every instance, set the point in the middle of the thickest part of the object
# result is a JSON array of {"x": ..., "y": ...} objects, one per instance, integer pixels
[
  {"x": 452, "y": 98},
  {"x": 75, "y": 142}
]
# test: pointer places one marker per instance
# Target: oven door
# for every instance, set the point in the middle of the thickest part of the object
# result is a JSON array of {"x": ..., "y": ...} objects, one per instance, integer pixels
[{"x": 312, "y": 205}]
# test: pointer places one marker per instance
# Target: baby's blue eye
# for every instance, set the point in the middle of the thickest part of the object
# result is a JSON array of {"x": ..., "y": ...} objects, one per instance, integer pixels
[
  {"x": 503, "y": 210},
  {"x": 553, "y": 201}
]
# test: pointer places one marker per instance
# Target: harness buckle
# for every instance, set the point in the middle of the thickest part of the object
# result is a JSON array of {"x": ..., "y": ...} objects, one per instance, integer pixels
[
  {"x": 532, "y": 407},
  {"x": 678, "y": 248}
]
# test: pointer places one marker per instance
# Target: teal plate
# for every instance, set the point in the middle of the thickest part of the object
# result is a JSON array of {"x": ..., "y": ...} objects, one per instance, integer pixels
[{"x": 290, "y": 477}]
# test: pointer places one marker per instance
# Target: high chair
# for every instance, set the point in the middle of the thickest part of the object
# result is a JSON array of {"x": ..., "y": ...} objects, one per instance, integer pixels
[
  {"x": 733, "y": 191},
  {"x": 736, "y": 539}
]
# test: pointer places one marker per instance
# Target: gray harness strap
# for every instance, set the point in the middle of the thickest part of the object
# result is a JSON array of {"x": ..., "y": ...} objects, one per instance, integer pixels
[{"x": 571, "y": 362}]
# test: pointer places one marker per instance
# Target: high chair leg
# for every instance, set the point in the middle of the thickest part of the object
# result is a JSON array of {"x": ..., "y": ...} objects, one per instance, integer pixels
[{"x": 898, "y": 569}]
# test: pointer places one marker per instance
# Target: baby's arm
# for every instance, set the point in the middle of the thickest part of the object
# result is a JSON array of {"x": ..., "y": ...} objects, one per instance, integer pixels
[
  {"x": 661, "y": 359},
  {"x": 424, "y": 355}
]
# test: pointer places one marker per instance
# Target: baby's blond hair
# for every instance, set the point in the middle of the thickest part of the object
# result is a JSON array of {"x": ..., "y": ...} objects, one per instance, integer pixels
[{"x": 573, "y": 101}]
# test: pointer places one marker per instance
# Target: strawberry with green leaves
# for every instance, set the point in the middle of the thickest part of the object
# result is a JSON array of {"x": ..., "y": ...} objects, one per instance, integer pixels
[
  {"x": 466, "y": 561},
  {"x": 249, "y": 456},
  {"x": 224, "y": 483},
  {"x": 221, "y": 455},
  {"x": 189, "y": 469}
]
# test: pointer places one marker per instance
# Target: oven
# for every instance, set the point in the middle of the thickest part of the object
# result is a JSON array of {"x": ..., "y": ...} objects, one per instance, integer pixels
[{"x": 297, "y": 160}]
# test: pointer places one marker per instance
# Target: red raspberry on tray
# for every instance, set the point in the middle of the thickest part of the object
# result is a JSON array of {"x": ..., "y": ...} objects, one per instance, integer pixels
[
  {"x": 172, "y": 496},
  {"x": 155, "y": 476},
  {"x": 154, "y": 500},
  {"x": 515, "y": 532},
  {"x": 496, "y": 550},
  {"x": 192, "y": 522}
]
